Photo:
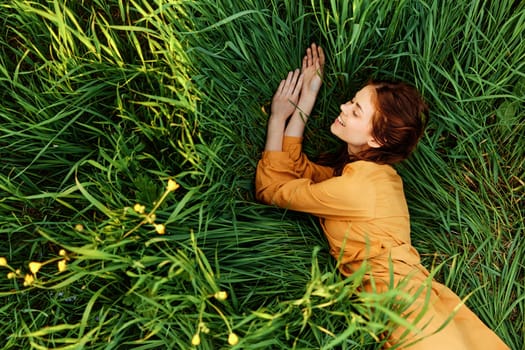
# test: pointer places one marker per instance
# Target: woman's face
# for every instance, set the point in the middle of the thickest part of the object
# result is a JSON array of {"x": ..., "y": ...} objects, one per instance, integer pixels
[{"x": 354, "y": 124}]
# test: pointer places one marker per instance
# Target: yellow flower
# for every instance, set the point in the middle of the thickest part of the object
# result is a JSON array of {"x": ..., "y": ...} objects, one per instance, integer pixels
[
  {"x": 11, "y": 275},
  {"x": 160, "y": 228},
  {"x": 196, "y": 340},
  {"x": 62, "y": 252},
  {"x": 172, "y": 185},
  {"x": 34, "y": 267},
  {"x": 28, "y": 280},
  {"x": 233, "y": 339},
  {"x": 62, "y": 266},
  {"x": 3, "y": 261},
  {"x": 139, "y": 208},
  {"x": 221, "y": 295},
  {"x": 79, "y": 227}
]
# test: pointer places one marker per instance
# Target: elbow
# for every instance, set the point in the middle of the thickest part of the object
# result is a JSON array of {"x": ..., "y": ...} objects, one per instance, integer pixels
[
  {"x": 262, "y": 194},
  {"x": 264, "y": 190}
]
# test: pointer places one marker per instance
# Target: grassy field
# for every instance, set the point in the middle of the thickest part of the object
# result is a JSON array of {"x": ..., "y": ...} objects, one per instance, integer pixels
[{"x": 104, "y": 102}]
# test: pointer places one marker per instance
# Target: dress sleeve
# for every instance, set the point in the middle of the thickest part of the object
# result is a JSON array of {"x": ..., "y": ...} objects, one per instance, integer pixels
[
  {"x": 301, "y": 164},
  {"x": 339, "y": 198}
]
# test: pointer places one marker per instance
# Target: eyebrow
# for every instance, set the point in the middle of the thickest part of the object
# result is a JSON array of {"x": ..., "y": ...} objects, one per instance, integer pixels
[{"x": 359, "y": 106}]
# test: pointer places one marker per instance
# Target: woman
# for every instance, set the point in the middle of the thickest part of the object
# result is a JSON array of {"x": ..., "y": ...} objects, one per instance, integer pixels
[{"x": 360, "y": 201}]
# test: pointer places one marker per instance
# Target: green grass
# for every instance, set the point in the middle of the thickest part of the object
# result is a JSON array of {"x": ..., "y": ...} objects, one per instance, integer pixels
[{"x": 104, "y": 101}]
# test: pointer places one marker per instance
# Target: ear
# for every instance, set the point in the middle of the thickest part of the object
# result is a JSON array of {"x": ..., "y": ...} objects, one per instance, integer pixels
[{"x": 372, "y": 143}]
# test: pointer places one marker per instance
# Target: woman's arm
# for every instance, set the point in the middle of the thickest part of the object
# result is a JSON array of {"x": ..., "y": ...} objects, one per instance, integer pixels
[
  {"x": 312, "y": 71},
  {"x": 301, "y": 165},
  {"x": 284, "y": 104},
  {"x": 352, "y": 195}
]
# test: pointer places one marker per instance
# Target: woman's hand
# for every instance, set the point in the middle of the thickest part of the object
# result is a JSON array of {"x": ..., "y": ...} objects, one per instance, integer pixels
[
  {"x": 312, "y": 72},
  {"x": 283, "y": 105},
  {"x": 312, "y": 69},
  {"x": 286, "y": 97}
]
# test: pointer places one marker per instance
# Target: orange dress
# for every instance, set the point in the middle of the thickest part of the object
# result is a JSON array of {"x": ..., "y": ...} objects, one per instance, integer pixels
[{"x": 364, "y": 216}]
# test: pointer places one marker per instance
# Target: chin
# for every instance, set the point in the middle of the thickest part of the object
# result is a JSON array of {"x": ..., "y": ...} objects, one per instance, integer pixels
[{"x": 332, "y": 129}]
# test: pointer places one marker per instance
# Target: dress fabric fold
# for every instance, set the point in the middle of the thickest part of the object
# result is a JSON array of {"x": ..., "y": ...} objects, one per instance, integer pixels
[{"x": 365, "y": 218}]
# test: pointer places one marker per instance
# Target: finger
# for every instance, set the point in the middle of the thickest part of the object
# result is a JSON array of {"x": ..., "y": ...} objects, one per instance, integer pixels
[
  {"x": 288, "y": 81},
  {"x": 278, "y": 93},
  {"x": 305, "y": 64},
  {"x": 314, "y": 52},
  {"x": 309, "y": 57},
  {"x": 291, "y": 81},
  {"x": 299, "y": 85},
  {"x": 296, "y": 75},
  {"x": 320, "y": 52},
  {"x": 280, "y": 88},
  {"x": 318, "y": 69}
]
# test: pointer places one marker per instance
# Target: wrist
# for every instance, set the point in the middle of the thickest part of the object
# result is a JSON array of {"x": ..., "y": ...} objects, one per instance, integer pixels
[
  {"x": 305, "y": 105},
  {"x": 300, "y": 115},
  {"x": 276, "y": 120},
  {"x": 307, "y": 99},
  {"x": 312, "y": 92}
]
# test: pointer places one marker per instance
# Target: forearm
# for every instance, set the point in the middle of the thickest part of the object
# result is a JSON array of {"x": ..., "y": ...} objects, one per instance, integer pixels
[
  {"x": 275, "y": 133},
  {"x": 300, "y": 116}
]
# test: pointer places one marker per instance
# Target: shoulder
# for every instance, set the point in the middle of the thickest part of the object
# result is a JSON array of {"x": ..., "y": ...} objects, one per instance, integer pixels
[
  {"x": 372, "y": 177},
  {"x": 366, "y": 169},
  {"x": 363, "y": 177},
  {"x": 377, "y": 185},
  {"x": 357, "y": 187}
]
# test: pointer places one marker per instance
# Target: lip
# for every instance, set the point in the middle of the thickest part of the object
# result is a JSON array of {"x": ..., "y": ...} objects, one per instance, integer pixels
[{"x": 340, "y": 121}]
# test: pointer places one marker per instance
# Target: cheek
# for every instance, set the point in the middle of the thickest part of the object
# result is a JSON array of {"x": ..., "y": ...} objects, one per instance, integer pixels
[{"x": 358, "y": 129}]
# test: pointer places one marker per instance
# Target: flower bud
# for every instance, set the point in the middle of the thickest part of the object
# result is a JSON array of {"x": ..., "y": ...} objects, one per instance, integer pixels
[
  {"x": 233, "y": 339},
  {"x": 62, "y": 266},
  {"x": 160, "y": 228},
  {"x": 221, "y": 295},
  {"x": 34, "y": 267},
  {"x": 172, "y": 185},
  {"x": 139, "y": 208},
  {"x": 196, "y": 340},
  {"x": 151, "y": 218},
  {"x": 28, "y": 280}
]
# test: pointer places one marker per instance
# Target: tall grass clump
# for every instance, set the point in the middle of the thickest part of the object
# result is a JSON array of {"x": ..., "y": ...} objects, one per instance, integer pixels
[{"x": 130, "y": 132}]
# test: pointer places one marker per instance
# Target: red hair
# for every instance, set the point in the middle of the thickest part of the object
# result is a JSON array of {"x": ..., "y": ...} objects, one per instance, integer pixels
[{"x": 398, "y": 124}]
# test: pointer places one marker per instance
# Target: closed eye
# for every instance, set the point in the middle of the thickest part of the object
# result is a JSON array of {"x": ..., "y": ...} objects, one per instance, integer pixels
[{"x": 354, "y": 113}]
